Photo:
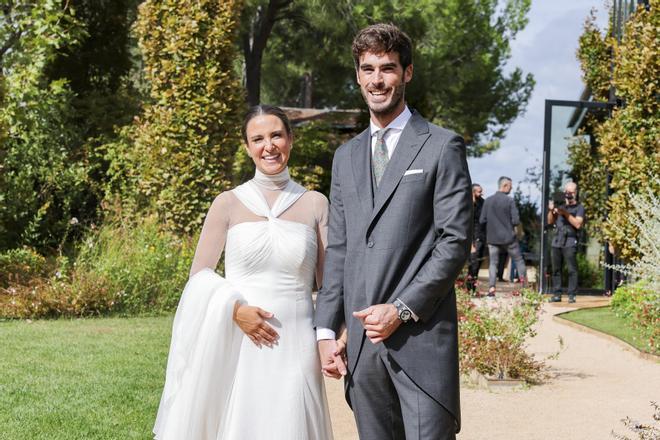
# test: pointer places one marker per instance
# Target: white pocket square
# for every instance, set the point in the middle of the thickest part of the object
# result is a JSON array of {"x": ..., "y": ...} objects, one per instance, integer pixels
[{"x": 409, "y": 172}]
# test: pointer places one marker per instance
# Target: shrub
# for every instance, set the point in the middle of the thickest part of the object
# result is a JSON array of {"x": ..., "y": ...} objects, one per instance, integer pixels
[
  {"x": 644, "y": 215},
  {"x": 492, "y": 336},
  {"x": 639, "y": 304},
  {"x": 639, "y": 301},
  {"x": 44, "y": 181},
  {"x": 118, "y": 269},
  {"x": 177, "y": 156},
  {"x": 84, "y": 294},
  {"x": 644, "y": 431},
  {"x": 145, "y": 266},
  {"x": 589, "y": 275},
  {"x": 20, "y": 266}
]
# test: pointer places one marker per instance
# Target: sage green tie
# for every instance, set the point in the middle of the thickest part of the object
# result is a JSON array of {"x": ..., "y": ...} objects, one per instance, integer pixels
[{"x": 381, "y": 157}]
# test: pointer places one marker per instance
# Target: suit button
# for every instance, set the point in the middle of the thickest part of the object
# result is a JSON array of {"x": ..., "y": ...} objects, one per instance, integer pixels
[{"x": 370, "y": 243}]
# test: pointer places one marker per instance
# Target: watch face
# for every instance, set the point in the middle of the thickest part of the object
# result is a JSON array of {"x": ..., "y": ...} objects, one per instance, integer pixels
[{"x": 405, "y": 315}]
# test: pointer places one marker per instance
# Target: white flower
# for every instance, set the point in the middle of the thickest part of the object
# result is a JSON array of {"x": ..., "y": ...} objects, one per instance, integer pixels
[{"x": 73, "y": 221}]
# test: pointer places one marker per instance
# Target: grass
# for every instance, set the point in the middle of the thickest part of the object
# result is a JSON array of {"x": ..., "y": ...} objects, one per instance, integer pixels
[
  {"x": 81, "y": 379},
  {"x": 604, "y": 320}
]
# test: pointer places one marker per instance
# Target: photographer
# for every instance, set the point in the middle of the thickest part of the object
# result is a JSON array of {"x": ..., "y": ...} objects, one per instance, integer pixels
[{"x": 568, "y": 219}]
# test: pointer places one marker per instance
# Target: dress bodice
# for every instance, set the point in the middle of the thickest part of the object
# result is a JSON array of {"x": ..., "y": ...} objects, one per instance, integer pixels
[{"x": 272, "y": 252}]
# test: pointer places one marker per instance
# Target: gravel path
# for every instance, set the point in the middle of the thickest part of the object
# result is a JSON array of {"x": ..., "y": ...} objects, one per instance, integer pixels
[{"x": 593, "y": 384}]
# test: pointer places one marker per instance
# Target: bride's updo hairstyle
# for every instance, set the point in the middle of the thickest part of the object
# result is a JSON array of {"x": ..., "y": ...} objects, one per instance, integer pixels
[{"x": 265, "y": 109}]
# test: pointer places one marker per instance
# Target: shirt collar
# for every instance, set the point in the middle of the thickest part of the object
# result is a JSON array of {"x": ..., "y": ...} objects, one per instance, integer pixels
[{"x": 397, "y": 124}]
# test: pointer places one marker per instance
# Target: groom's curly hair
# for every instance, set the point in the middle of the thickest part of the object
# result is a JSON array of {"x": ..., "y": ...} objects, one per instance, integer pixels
[{"x": 382, "y": 38}]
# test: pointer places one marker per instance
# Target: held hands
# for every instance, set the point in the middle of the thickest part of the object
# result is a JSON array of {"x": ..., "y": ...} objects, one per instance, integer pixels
[
  {"x": 252, "y": 320},
  {"x": 380, "y": 321},
  {"x": 333, "y": 357}
]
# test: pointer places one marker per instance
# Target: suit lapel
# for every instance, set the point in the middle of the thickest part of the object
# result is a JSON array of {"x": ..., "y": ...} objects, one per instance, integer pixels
[
  {"x": 361, "y": 161},
  {"x": 413, "y": 137}
]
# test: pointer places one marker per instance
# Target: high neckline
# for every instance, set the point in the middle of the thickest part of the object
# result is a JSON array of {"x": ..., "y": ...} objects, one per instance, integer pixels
[{"x": 272, "y": 182}]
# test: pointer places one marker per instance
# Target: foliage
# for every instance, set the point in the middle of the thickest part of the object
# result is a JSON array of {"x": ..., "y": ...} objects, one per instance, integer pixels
[
  {"x": 43, "y": 181},
  {"x": 589, "y": 274},
  {"x": 594, "y": 53},
  {"x": 118, "y": 269},
  {"x": 639, "y": 304},
  {"x": 459, "y": 79},
  {"x": 644, "y": 431},
  {"x": 145, "y": 266},
  {"x": 178, "y": 154},
  {"x": 492, "y": 335},
  {"x": 19, "y": 266},
  {"x": 591, "y": 175},
  {"x": 84, "y": 294},
  {"x": 644, "y": 216},
  {"x": 628, "y": 141},
  {"x": 104, "y": 72},
  {"x": 529, "y": 220},
  {"x": 82, "y": 378}
]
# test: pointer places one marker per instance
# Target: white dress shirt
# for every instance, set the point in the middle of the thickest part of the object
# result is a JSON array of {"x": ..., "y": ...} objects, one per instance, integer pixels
[
  {"x": 393, "y": 134},
  {"x": 394, "y": 130}
]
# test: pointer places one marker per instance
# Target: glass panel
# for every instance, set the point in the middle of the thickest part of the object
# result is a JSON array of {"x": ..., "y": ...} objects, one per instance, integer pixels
[{"x": 567, "y": 127}]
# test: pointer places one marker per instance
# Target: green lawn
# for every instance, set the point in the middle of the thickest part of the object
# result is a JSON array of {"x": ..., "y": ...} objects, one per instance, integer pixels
[
  {"x": 604, "y": 320},
  {"x": 81, "y": 379}
]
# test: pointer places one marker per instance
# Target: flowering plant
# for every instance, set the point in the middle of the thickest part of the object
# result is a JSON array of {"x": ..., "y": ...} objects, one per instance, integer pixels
[{"x": 492, "y": 335}]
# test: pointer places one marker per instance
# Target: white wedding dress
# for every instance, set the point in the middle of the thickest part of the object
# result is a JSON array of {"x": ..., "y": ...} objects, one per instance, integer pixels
[{"x": 219, "y": 384}]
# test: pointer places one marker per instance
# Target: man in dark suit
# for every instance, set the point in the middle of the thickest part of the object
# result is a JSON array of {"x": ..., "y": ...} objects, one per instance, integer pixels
[
  {"x": 478, "y": 239},
  {"x": 399, "y": 234},
  {"x": 500, "y": 215}
]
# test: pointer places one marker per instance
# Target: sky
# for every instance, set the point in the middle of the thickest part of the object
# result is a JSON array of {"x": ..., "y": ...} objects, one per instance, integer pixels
[{"x": 547, "y": 49}]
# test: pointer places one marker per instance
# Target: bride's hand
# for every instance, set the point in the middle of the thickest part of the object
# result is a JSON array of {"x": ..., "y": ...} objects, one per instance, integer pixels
[{"x": 252, "y": 320}]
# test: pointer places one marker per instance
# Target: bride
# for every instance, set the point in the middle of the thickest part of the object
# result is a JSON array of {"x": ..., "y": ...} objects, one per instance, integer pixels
[{"x": 243, "y": 361}]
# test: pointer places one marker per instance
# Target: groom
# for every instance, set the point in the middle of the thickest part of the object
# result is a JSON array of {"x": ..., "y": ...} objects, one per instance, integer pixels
[{"x": 399, "y": 234}]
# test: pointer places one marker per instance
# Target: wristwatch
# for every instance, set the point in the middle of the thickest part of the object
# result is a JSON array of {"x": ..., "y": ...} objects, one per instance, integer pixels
[{"x": 405, "y": 314}]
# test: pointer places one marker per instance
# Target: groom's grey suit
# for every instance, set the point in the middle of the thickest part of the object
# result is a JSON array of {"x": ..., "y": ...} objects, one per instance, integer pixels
[{"x": 407, "y": 239}]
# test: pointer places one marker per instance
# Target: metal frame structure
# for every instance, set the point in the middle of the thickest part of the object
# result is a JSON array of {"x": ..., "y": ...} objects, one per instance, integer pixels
[{"x": 547, "y": 138}]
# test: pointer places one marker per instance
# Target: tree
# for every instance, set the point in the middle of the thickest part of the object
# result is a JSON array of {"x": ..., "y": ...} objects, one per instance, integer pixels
[
  {"x": 627, "y": 148},
  {"x": 43, "y": 183},
  {"x": 461, "y": 49},
  {"x": 98, "y": 68},
  {"x": 178, "y": 154},
  {"x": 257, "y": 21}
]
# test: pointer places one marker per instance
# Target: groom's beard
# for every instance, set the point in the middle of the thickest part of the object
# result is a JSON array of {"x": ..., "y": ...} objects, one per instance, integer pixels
[{"x": 397, "y": 96}]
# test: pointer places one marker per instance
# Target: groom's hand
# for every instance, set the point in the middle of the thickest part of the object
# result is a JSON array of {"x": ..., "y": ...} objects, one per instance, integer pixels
[
  {"x": 380, "y": 321},
  {"x": 332, "y": 358}
]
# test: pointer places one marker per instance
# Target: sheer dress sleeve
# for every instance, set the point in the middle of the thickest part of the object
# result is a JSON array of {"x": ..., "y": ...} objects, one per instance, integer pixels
[{"x": 214, "y": 235}]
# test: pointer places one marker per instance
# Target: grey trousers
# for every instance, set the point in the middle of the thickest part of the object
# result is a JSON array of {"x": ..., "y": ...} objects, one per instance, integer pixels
[
  {"x": 388, "y": 405},
  {"x": 494, "y": 253}
]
